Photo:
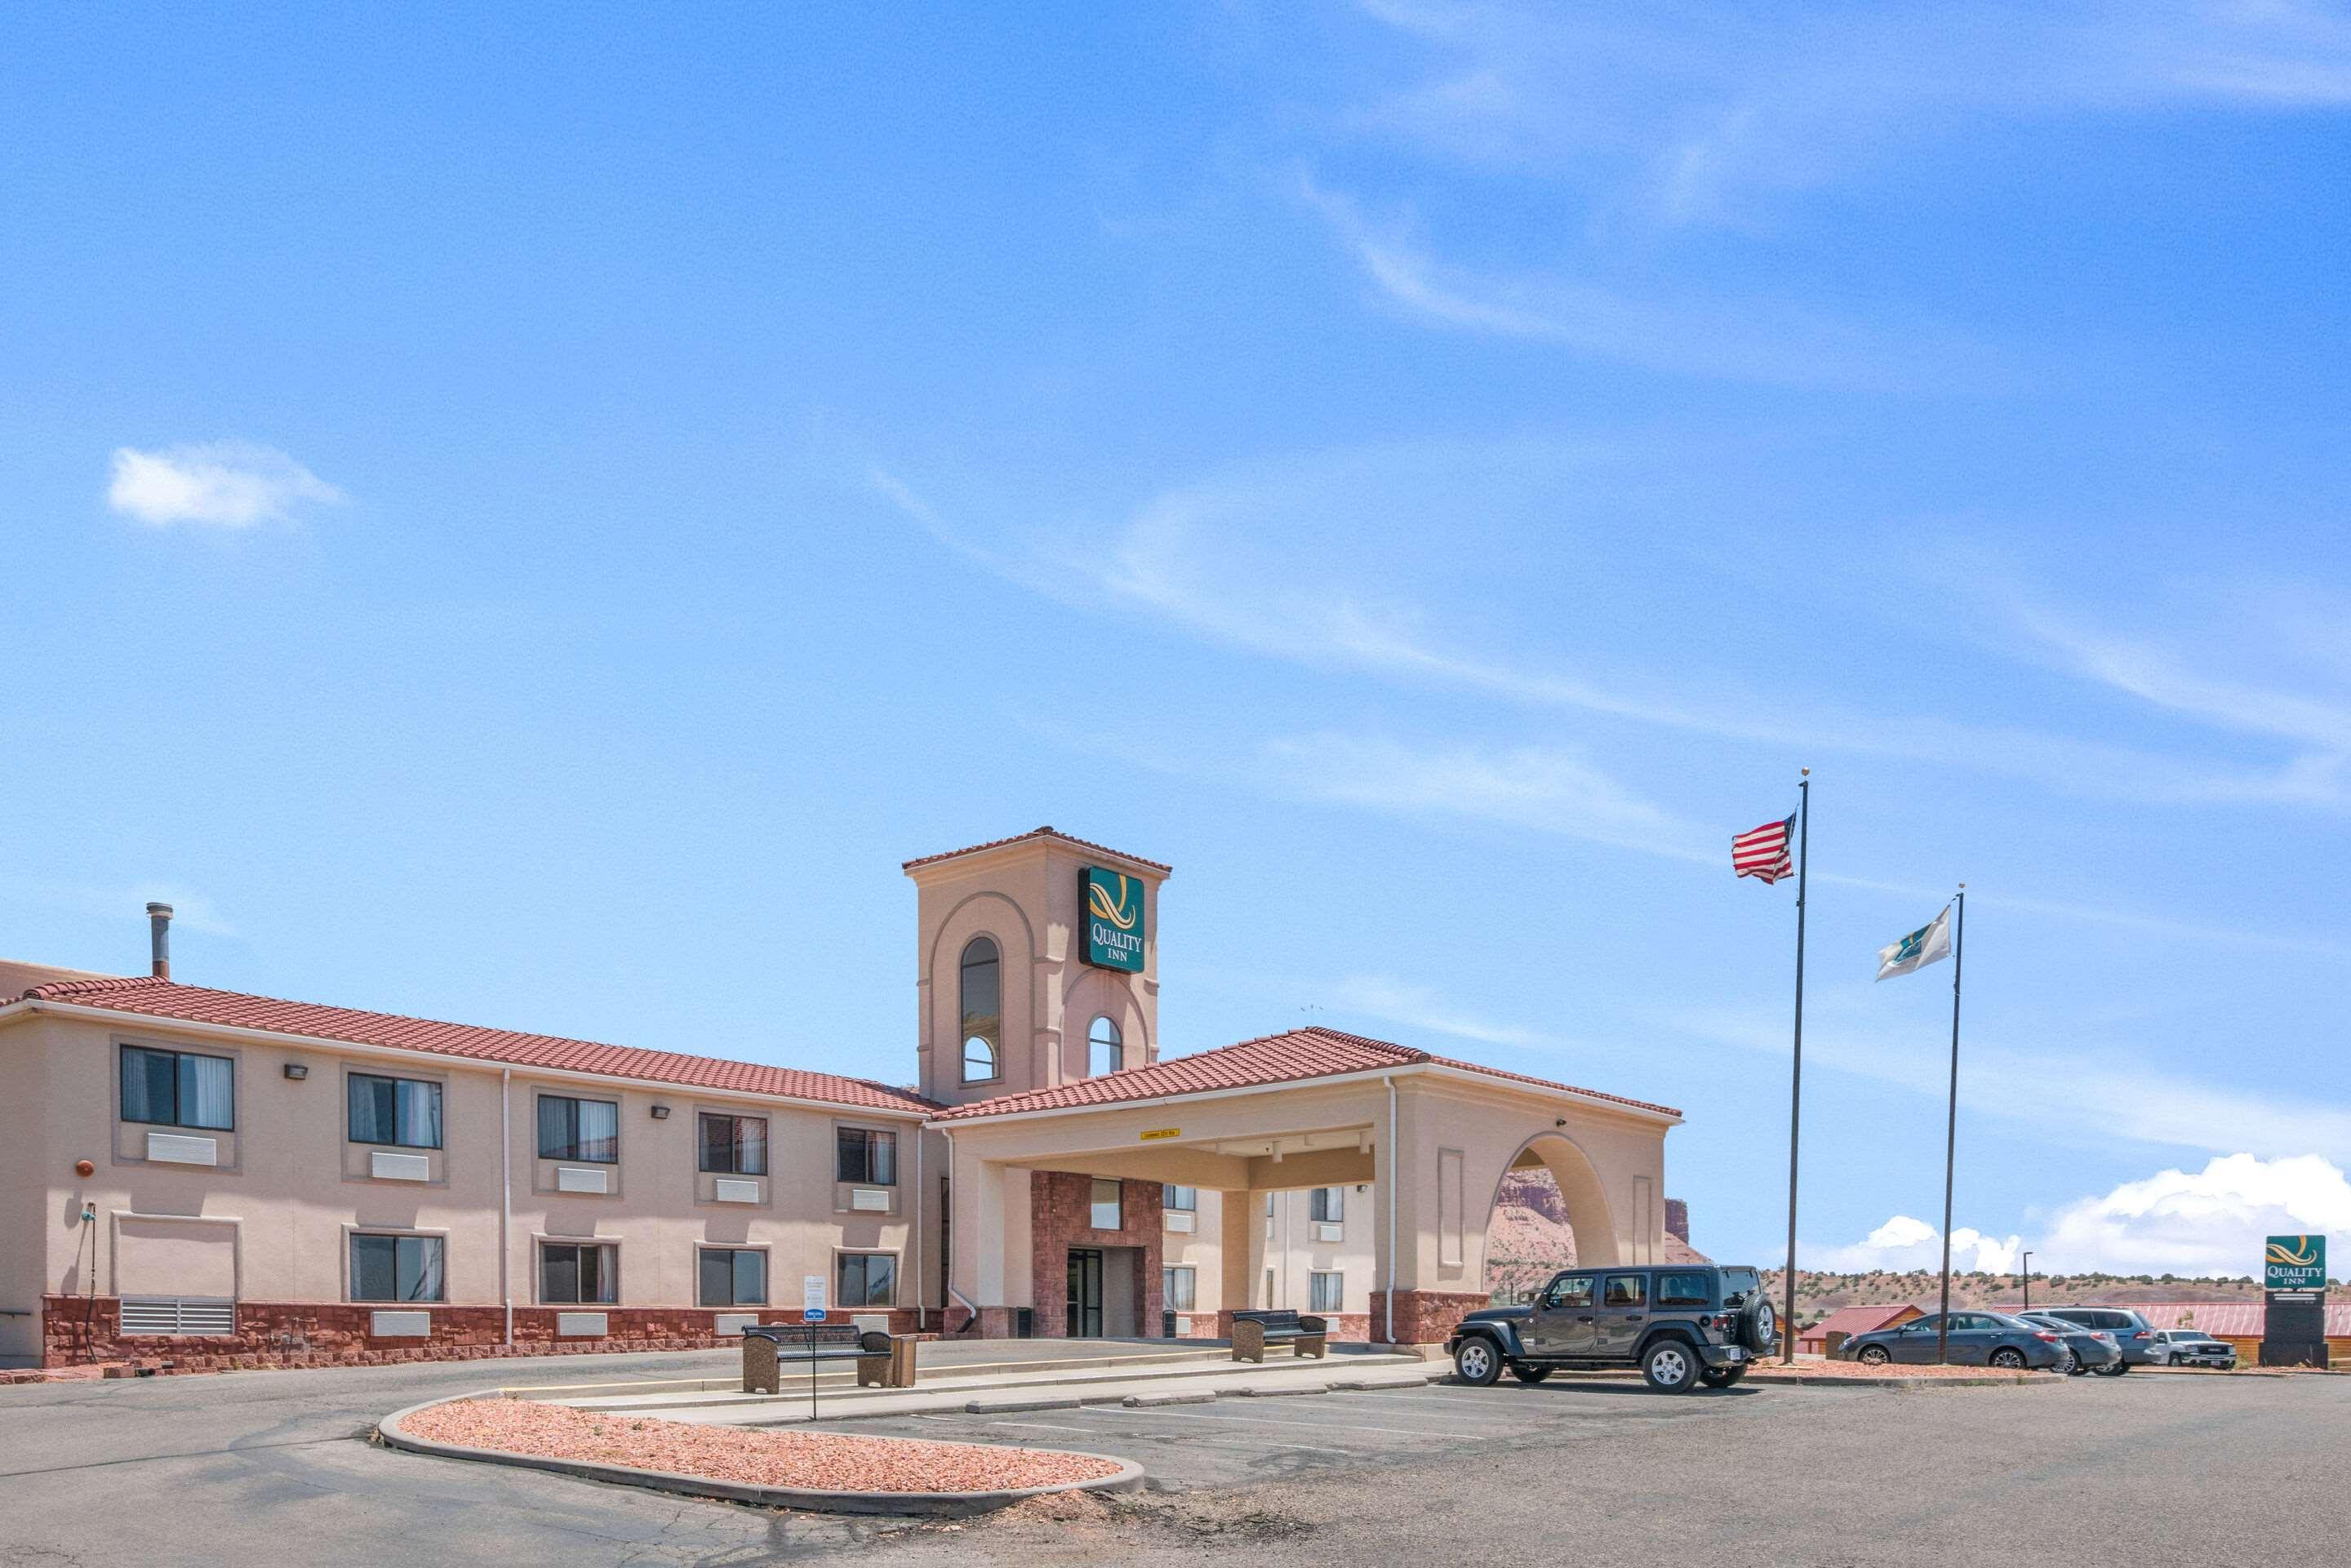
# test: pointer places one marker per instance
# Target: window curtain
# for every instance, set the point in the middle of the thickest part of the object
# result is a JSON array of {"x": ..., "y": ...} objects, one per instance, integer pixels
[
  {"x": 207, "y": 1097},
  {"x": 750, "y": 1278},
  {"x": 147, "y": 1085},
  {"x": 751, "y": 1145},
  {"x": 371, "y": 1110},
  {"x": 420, "y": 1268},
  {"x": 418, "y": 1120},
  {"x": 599, "y": 1131}
]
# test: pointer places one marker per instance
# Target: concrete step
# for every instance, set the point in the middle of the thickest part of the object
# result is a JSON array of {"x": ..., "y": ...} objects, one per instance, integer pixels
[
  {"x": 1140, "y": 1387},
  {"x": 837, "y": 1374}
]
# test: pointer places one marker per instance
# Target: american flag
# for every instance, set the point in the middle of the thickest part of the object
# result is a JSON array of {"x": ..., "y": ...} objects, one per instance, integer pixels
[{"x": 1765, "y": 853}]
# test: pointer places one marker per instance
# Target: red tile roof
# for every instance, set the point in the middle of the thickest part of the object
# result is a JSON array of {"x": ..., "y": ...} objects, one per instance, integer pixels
[
  {"x": 1045, "y": 832},
  {"x": 1864, "y": 1319},
  {"x": 144, "y": 997},
  {"x": 1298, "y": 1055}
]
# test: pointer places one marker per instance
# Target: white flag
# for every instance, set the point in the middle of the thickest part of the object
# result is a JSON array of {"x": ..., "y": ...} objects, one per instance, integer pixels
[{"x": 1920, "y": 949}]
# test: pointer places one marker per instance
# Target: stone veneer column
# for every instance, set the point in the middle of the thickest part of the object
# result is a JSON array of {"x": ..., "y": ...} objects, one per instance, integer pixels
[{"x": 1062, "y": 1217}]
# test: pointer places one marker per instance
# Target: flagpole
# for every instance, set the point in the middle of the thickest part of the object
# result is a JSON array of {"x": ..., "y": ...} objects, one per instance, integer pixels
[
  {"x": 1951, "y": 1129},
  {"x": 1796, "y": 1084}
]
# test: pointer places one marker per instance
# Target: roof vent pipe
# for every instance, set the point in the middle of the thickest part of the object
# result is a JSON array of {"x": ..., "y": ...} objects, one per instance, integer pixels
[{"x": 158, "y": 930}]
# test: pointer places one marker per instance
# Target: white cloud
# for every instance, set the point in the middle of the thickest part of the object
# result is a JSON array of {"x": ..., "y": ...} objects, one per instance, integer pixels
[
  {"x": 1902, "y": 1243},
  {"x": 1542, "y": 787},
  {"x": 1701, "y": 116},
  {"x": 1762, "y": 340},
  {"x": 1422, "y": 1007},
  {"x": 227, "y": 484},
  {"x": 2210, "y": 1221},
  {"x": 2135, "y": 1102}
]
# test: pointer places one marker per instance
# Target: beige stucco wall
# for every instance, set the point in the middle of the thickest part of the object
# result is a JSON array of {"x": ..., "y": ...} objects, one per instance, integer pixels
[
  {"x": 294, "y": 1186},
  {"x": 1025, "y": 896},
  {"x": 1455, "y": 1137}
]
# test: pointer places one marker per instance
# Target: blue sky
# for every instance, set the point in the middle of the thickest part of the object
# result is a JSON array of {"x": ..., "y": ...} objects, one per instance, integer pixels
[{"x": 529, "y": 520}]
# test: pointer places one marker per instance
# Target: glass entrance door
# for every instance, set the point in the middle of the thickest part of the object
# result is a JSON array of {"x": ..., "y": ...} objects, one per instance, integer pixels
[{"x": 1085, "y": 1292}]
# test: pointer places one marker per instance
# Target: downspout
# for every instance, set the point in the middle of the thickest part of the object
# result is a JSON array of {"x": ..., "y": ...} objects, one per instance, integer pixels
[
  {"x": 947, "y": 1285},
  {"x": 915, "y": 1241},
  {"x": 1392, "y": 1207},
  {"x": 505, "y": 1198}
]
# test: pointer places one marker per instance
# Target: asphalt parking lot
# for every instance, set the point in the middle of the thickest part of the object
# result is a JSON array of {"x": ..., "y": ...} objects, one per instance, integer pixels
[
  {"x": 1240, "y": 1442},
  {"x": 270, "y": 1467}
]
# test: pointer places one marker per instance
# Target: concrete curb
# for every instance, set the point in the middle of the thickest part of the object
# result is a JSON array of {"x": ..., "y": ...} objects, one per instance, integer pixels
[
  {"x": 1015, "y": 1407},
  {"x": 1153, "y": 1401},
  {"x": 936, "y": 1505}
]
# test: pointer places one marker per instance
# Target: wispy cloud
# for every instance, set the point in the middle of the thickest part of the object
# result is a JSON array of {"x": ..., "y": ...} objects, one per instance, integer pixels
[
  {"x": 1745, "y": 337},
  {"x": 227, "y": 484},
  {"x": 2137, "y": 1103},
  {"x": 1903, "y": 1244},
  {"x": 1538, "y": 788},
  {"x": 1697, "y": 115},
  {"x": 1420, "y": 1007},
  {"x": 2210, "y": 1221}
]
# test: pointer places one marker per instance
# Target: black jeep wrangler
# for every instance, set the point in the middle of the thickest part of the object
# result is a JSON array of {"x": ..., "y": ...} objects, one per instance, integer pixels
[{"x": 1683, "y": 1324}]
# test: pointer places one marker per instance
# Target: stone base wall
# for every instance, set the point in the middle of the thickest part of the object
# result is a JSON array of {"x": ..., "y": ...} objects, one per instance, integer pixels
[
  {"x": 77, "y": 1331},
  {"x": 1061, "y": 1215},
  {"x": 1422, "y": 1317}
]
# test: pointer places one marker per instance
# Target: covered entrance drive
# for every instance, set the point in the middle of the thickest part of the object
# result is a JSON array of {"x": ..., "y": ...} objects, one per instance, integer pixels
[{"x": 1061, "y": 1197}]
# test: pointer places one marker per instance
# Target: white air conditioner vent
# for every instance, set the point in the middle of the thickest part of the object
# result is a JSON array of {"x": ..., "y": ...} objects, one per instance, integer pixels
[
  {"x": 581, "y": 1178},
  {"x": 400, "y": 1167},
  {"x": 1183, "y": 1219},
  {"x": 1326, "y": 1231},
  {"x": 177, "y": 1315},
  {"x": 589, "y": 1325},
  {"x": 401, "y": 1325},
  {"x": 182, "y": 1149},
  {"x": 733, "y": 1323},
  {"x": 734, "y": 1189},
  {"x": 874, "y": 1198}
]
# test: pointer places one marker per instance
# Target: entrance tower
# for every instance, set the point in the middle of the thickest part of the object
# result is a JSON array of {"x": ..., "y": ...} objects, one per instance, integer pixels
[{"x": 1039, "y": 965}]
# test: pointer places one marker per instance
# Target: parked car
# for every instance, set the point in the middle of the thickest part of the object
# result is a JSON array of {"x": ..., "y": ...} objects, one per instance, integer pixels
[
  {"x": 2132, "y": 1331},
  {"x": 2191, "y": 1347},
  {"x": 2095, "y": 1349},
  {"x": 1976, "y": 1339},
  {"x": 1683, "y": 1324}
]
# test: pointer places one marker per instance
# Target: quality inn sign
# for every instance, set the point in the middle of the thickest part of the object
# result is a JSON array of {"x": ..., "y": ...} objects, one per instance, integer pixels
[
  {"x": 1112, "y": 903},
  {"x": 2294, "y": 1263}
]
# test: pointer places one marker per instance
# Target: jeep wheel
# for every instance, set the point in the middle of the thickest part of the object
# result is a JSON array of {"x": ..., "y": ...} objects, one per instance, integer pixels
[
  {"x": 1529, "y": 1374},
  {"x": 1477, "y": 1363},
  {"x": 1671, "y": 1367},
  {"x": 1874, "y": 1356},
  {"x": 2008, "y": 1358},
  {"x": 1759, "y": 1325}
]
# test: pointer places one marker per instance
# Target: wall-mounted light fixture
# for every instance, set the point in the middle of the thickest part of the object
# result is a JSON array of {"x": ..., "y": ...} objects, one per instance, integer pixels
[
  {"x": 296, "y": 1071},
  {"x": 661, "y": 1113},
  {"x": 1561, "y": 1123},
  {"x": 84, "y": 1169}
]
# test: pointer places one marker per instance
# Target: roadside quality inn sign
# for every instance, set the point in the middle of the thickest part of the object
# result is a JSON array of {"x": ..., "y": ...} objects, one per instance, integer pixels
[
  {"x": 1111, "y": 902},
  {"x": 2294, "y": 1263}
]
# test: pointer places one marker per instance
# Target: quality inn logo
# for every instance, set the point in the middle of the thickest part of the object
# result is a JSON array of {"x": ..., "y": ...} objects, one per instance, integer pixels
[
  {"x": 1114, "y": 914},
  {"x": 1116, "y": 907},
  {"x": 2294, "y": 1251},
  {"x": 2294, "y": 1263}
]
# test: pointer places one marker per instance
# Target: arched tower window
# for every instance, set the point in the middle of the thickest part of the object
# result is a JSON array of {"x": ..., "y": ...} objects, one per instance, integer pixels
[
  {"x": 983, "y": 1011},
  {"x": 1105, "y": 1048}
]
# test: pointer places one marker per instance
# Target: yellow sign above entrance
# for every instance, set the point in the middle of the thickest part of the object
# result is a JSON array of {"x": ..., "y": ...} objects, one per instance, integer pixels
[{"x": 1158, "y": 1133}]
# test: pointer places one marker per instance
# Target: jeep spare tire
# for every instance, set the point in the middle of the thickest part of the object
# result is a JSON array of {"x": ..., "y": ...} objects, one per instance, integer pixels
[{"x": 1759, "y": 1325}]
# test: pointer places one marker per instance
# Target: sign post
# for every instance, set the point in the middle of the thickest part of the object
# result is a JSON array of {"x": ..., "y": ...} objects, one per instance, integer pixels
[
  {"x": 2293, "y": 1317},
  {"x": 811, "y": 1315}
]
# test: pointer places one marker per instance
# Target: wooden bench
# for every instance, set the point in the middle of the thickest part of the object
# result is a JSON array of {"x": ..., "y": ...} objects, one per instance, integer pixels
[
  {"x": 881, "y": 1361},
  {"x": 1254, "y": 1332}
]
